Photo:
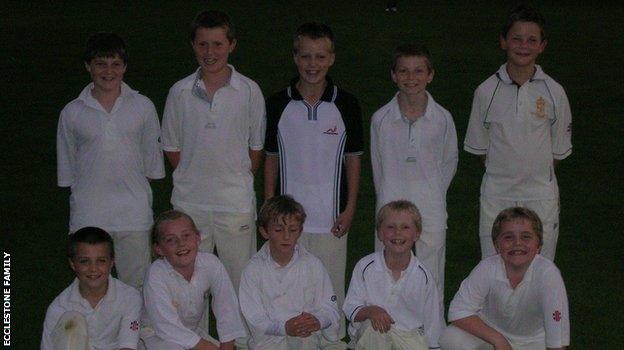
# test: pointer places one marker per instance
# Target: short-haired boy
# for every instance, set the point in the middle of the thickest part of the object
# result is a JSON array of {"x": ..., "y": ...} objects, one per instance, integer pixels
[
  {"x": 313, "y": 147},
  {"x": 286, "y": 295},
  {"x": 178, "y": 283},
  {"x": 521, "y": 126},
  {"x": 107, "y": 150},
  {"x": 515, "y": 299},
  {"x": 213, "y": 135},
  {"x": 414, "y": 153},
  {"x": 96, "y": 311},
  {"x": 393, "y": 301}
]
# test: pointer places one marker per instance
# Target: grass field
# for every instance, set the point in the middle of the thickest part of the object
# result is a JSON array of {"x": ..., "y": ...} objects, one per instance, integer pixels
[{"x": 42, "y": 71}]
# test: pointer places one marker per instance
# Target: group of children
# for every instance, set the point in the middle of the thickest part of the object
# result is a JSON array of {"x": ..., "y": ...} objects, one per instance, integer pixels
[{"x": 290, "y": 293}]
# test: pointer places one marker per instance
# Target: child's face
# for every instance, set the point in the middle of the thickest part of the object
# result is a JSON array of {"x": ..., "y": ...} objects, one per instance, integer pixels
[
  {"x": 518, "y": 243},
  {"x": 412, "y": 75},
  {"x": 92, "y": 264},
  {"x": 106, "y": 73},
  {"x": 282, "y": 234},
  {"x": 178, "y": 242},
  {"x": 398, "y": 232},
  {"x": 523, "y": 44},
  {"x": 212, "y": 49},
  {"x": 313, "y": 59}
]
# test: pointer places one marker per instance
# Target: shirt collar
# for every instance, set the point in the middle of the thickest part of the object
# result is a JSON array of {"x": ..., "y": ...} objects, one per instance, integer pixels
[
  {"x": 89, "y": 100},
  {"x": 76, "y": 297},
  {"x": 329, "y": 94},
  {"x": 380, "y": 262},
  {"x": 501, "y": 273},
  {"x": 398, "y": 115},
  {"x": 235, "y": 79},
  {"x": 503, "y": 75},
  {"x": 266, "y": 255}
]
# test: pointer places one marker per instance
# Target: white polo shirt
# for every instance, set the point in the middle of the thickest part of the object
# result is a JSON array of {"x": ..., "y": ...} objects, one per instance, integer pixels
[
  {"x": 174, "y": 306},
  {"x": 214, "y": 139},
  {"x": 412, "y": 301},
  {"x": 521, "y": 129},
  {"x": 536, "y": 309},
  {"x": 112, "y": 324},
  {"x": 414, "y": 160},
  {"x": 106, "y": 158},
  {"x": 271, "y": 294}
]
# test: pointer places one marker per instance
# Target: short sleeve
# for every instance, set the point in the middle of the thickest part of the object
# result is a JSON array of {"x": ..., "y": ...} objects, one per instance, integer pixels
[
  {"x": 225, "y": 304},
  {"x": 257, "y": 116},
  {"x": 65, "y": 151},
  {"x": 171, "y": 122},
  {"x": 129, "y": 328},
  {"x": 349, "y": 107},
  {"x": 470, "y": 298},
  {"x": 275, "y": 105},
  {"x": 561, "y": 129},
  {"x": 150, "y": 144},
  {"x": 477, "y": 138},
  {"x": 555, "y": 308}
]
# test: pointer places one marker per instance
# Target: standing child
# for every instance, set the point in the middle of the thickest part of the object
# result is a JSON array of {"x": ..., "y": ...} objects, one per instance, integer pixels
[
  {"x": 286, "y": 295},
  {"x": 414, "y": 153},
  {"x": 521, "y": 127},
  {"x": 176, "y": 286},
  {"x": 96, "y": 311},
  {"x": 515, "y": 299},
  {"x": 213, "y": 135},
  {"x": 393, "y": 301},
  {"x": 314, "y": 143},
  {"x": 107, "y": 150}
]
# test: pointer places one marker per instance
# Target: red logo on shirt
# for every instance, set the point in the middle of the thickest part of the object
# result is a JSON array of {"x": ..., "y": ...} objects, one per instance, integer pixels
[
  {"x": 134, "y": 325},
  {"x": 332, "y": 131},
  {"x": 557, "y": 316}
]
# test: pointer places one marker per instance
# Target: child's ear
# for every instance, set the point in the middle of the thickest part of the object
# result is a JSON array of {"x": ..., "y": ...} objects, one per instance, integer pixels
[
  {"x": 430, "y": 78},
  {"x": 87, "y": 67},
  {"x": 232, "y": 45},
  {"x": 263, "y": 232},
  {"x": 71, "y": 264},
  {"x": 157, "y": 249},
  {"x": 502, "y": 42}
]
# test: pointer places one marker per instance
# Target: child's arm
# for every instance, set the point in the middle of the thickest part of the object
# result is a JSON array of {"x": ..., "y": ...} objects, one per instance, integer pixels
[
  {"x": 449, "y": 154},
  {"x": 381, "y": 321},
  {"x": 343, "y": 221},
  {"x": 561, "y": 128},
  {"x": 271, "y": 168},
  {"x": 151, "y": 151},
  {"x": 432, "y": 315},
  {"x": 554, "y": 302},
  {"x": 171, "y": 129},
  {"x": 225, "y": 303},
  {"x": 53, "y": 314},
  {"x": 129, "y": 327},
  {"x": 475, "y": 326},
  {"x": 65, "y": 151},
  {"x": 325, "y": 309},
  {"x": 477, "y": 137},
  {"x": 257, "y": 127},
  {"x": 163, "y": 314},
  {"x": 252, "y": 306}
]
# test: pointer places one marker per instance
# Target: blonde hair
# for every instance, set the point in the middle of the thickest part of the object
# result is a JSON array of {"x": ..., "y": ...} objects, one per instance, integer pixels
[
  {"x": 165, "y": 216},
  {"x": 397, "y": 206},
  {"x": 517, "y": 213}
]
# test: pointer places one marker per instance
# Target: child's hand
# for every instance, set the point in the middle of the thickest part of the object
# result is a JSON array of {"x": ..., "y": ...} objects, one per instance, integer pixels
[
  {"x": 502, "y": 344},
  {"x": 302, "y": 326},
  {"x": 380, "y": 319},
  {"x": 343, "y": 223}
]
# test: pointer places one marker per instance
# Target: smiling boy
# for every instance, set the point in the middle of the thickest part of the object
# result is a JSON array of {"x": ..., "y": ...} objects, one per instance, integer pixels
[
  {"x": 286, "y": 295},
  {"x": 521, "y": 126},
  {"x": 313, "y": 147},
  {"x": 107, "y": 150},
  {"x": 176, "y": 286},
  {"x": 414, "y": 153},
  {"x": 213, "y": 135},
  {"x": 393, "y": 300},
  {"x": 96, "y": 311},
  {"x": 515, "y": 299}
]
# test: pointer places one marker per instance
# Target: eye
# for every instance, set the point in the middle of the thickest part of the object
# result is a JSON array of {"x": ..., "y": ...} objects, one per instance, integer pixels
[{"x": 83, "y": 261}]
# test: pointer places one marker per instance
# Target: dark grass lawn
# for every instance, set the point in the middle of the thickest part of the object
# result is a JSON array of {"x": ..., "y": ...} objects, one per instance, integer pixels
[{"x": 42, "y": 71}]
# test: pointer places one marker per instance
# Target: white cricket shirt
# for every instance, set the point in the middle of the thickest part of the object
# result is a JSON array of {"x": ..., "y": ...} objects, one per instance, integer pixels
[
  {"x": 412, "y": 301},
  {"x": 106, "y": 159},
  {"x": 214, "y": 139},
  {"x": 521, "y": 129},
  {"x": 112, "y": 324},
  {"x": 536, "y": 309},
  {"x": 415, "y": 161}
]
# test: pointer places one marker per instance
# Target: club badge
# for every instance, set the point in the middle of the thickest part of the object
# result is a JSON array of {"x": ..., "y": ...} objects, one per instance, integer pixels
[{"x": 540, "y": 107}]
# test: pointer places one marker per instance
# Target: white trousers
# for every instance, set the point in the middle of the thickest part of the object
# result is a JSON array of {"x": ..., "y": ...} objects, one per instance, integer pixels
[
  {"x": 133, "y": 256},
  {"x": 547, "y": 210},
  {"x": 453, "y": 338},
  {"x": 394, "y": 339},
  {"x": 70, "y": 332},
  {"x": 315, "y": 341},
  {"x": 332, "y": 251}
]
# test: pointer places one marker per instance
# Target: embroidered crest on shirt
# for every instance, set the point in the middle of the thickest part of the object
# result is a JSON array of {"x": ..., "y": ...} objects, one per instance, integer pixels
[
  {"x": 332, "y": 131},
  {"x": 540, "y": 107},
  {"x": 557, "y": 316},
  {"x": 175, "y": 304},
  {"x": 134, "y": 325}
]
